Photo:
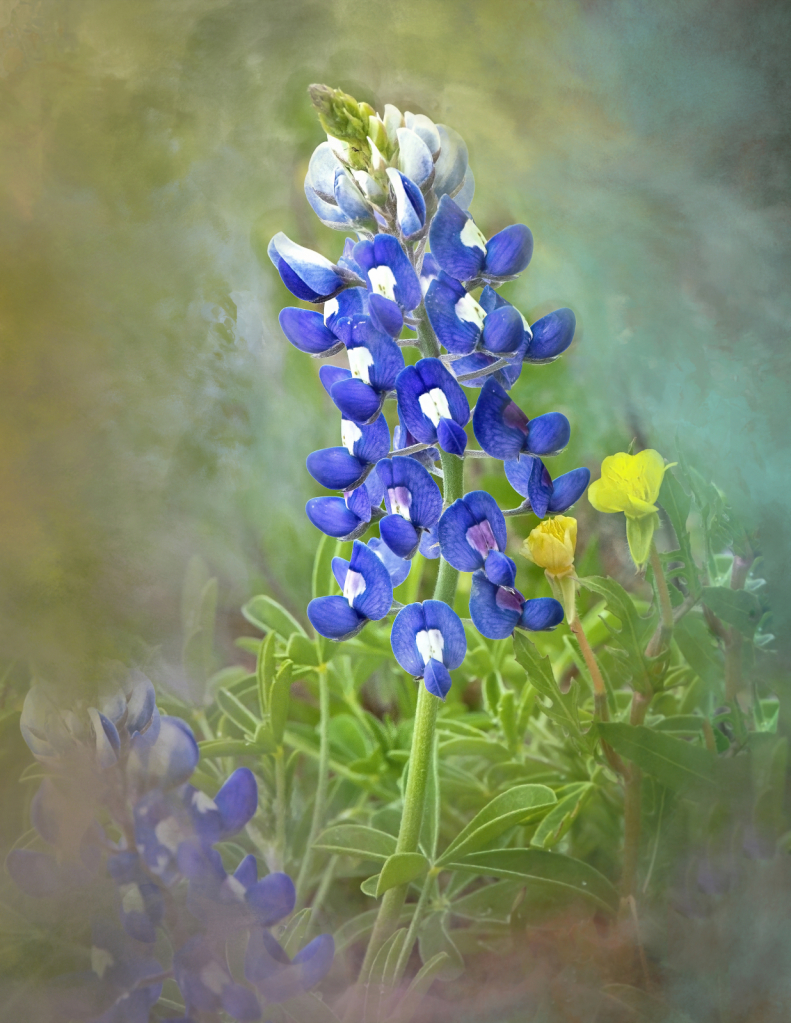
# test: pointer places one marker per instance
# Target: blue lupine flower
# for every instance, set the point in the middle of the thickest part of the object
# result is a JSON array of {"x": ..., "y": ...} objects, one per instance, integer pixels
[
  {"x": 349, "y": 516},
  {"x": 463, "y": 252},
  {"x": 410, "y": 204},
  {"x": 402, "y": 438},
  {"x": 141, "y": 903},
  {"x": 470, "y": 529},
  {"x": 497, "y": 608},
  {"x": 415, "y": 159},
  {"x": 307, "y": 274},
  {"x": 338, "y": 311},
  {"x": 323, "y": 193},
  {"x": 367, "y": 596},
  {"x": 119, "y": 970},
  {"x": 165, "y": 763},
  {"x": 345, "y": 468},
  {"x": 528, "y": 476},
  {"x": 504, "y": 431},
  {"x": 413, "y": 502},
  {"x": 398, "y": 568},
  {"x": 206, "y": 984},
  {"x": 388, "y": 271},
  {"x": 451, "y": 164},
  {"x": 375, "y": 361},
  {"x": 307, "y": 331},
  {"x": 552, "y": 335},
  {"x": 428, "y": 642},
  {"x": 432, "y": 405},
  {"x": 268, "y": 968}
]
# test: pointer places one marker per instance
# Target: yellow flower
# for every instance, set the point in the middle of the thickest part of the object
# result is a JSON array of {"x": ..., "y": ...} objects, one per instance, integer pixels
[
  {"x": 551, "y": 545},
  {"x": 629, "y": 483}
]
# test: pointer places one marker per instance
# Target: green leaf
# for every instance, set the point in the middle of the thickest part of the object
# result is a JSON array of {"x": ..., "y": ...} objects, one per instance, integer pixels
[
  {"x": 368, "y": 886},
  {"x": 230, "y": 748},
  {"x": 322, "y": 582},
  {"x": 233, "y": 708},
  {"x": 264, "y": 739},
  {"x": 506, "y": 712},
  {"x": 360, "y": 927},
  {"x": 279, "y": 697},
  {"x": 563, "y": 709},
  {"x": 677, "y": 503},
  {"x": 675, "y": 763},
  {"x": 293, "y": 937},
  {"x": 265, "y": 670},
  {"x": 400, "y": 868},
  {"x": 433, "y": 940},
  {"x": 357, "y": 840},
  {"x": 701, "y": 651},
  {"x": 634, "y": 632},
  {"x": 470, "y": 747},
  {"x": 504, "y": 811},
  {"x": 738, "y": 608},
  {"x": 269, "y": 616},
  {"x": 418, "y": 989},
  {"x": 560, "y": 818},
  {"x": 301, "y": 651},
  {"x": 561, "y": 876},
  {"x": 492, "y": 903},
  {"x": 309, "y": 1008}
]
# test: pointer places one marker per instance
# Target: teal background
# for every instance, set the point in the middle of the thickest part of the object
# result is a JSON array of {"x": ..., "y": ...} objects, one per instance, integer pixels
[{"x": 152, "y": 410}]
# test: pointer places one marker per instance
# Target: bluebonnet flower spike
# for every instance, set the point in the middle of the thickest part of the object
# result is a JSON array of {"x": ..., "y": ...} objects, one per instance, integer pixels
[
  {"x": 469, "y": 529},
  {"x": 432, "y": 405},
  {"x": 428, "y": 642},
  {"x": 367, "y": 596},
  {"x": 504, "y": 431},
  {"x": 497, "y": 608},
  {"x": 413, "y": 502},
  {"x": 463, "y": 252},
  {"x": 529, "y": 477}
]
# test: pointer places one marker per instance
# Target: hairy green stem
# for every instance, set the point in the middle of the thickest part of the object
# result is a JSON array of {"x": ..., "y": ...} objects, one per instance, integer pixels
[
  {"x": 322, "y": 784},
  {"x": 632, "y": 805},
  {"x": 422, "y": 752},
  {"x": 661, "y": 638},
  {"x": 280, "y": 807}
]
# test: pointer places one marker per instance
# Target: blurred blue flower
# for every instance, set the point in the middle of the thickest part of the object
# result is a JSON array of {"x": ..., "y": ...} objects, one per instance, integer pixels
[
  {"x": 428, "y": 642},
  {"x": 276, "y": 977},
  {"x": 206, "y": 984}
]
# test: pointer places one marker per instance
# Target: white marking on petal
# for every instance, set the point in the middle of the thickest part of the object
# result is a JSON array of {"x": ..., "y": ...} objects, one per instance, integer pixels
[
  {"x": 353, "y": 586},
  {"x": 330, "y": 308},
  {"x": 528, "y": 331},
  {"x": 101, "y": 960},
  {"x": 430, "y": 643},
  {"x": 360, "y": 361},
  {"x": 350, "y": 434},
  {"x": 340, "y": 148},
  {"x": 235, "y": 887},
  {"x": 131, "y": 898},
  {"x": 214, "y": 977},
  {"x": 383, "y": 281},
  {"x": 434, "y": 404},
  {"x": 203, "y": 803},
  {"x": 400, "y": 502},
  {"x": 472, "y": 237},
  {"x": 169, "y": 834},
  {"x": 468, "y": 310}
]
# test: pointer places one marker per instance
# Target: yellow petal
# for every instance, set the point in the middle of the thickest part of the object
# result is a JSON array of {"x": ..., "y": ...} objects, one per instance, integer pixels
[
  {"x": 629, "y": 483},
  {"x": 552, "y": 543}
]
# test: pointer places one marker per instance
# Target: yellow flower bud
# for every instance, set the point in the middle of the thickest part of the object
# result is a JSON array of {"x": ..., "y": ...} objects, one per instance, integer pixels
[
  {"x": 629, "y": 483},
  {"x": 551, "y": 545}
]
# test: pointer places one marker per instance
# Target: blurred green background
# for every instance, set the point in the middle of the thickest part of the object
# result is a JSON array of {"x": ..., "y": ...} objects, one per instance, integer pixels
[{"x": 152, "y": 410}]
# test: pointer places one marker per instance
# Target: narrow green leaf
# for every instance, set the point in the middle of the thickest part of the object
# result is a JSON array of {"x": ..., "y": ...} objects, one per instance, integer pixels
[
  {"x": 562, "y": 876},
  {"x": 233, "y": 708},
  {"x": 400, "y": 868},
  {"x": 361, "y": 926},
  {"x": 279, "y": 698},
  {"x": 634, "y": 632},
  {"x": 560, "y": 818},
  {"x": 230, "y": 748},
  {"x": 675, "y": 763},
  {"x": 563, "y": 709},
  {"x": 301, "y": 651},
  {"x": 267, "y": 615},
  {"x": 293, "y": 938},
  {"x": 265, "y": 670},
  {"x": 701, "y": 651},
  {"x": 433, "y": 940},
  {"x": 504, "y": 811},
  {"x": 357, "y": 840},
  {"x": 465, "y": 746},
  {"x": 389, "y": 975},
  {"x": 677, "y": 503},
  {"x": 309, "y": 1008},
  {"x": 322, "y": 579},
  {"x": 418, "y": 989},
  {"x": 738, "y": 608}
]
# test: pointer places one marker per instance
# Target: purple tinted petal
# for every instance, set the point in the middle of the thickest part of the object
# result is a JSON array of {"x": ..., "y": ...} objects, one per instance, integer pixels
[
  {"x": 452, "y": 532},
  {"x": 552, "y": 335},
  {"x": 495, "y": 423},
  {"x": 306, "y": 331},
  {"x": 438, "y": 615},
  {"x": 484, "y": 507},
  {"x": 518, "y": 471},
  {"x": 408, "y": 622},
  {"x": 539, "y": 488},
  {"x": 268, "y": 968},
  {"x": 548, "y": 434},
  {"x": 568, "y": 489},
  {"x": 541, "y": 614},
  {"x": 451, "y": 437},
  {"x": 237, "y": 801},
  {"x": 425, "y": 500},
  {"x": 240, "y": 1003},
  {"x": 335, "y": 468},
  {"x": 400, "y": 535},
  {"x": 334, "y": 618},
  {"x": 500, "y": 569},
  {"x": 489, "y": 618},
  {"x": 397, "y": 567},
  {"x": 457, "y": 259},
  {"x": 508, "y": 252},
  {"x": 272, "y": 898}
]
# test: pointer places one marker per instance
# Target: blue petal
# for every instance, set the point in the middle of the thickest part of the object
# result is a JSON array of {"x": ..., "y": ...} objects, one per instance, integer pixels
[
  {"x": 315, "y": 959},
  {"x": 170, "y": 761},
  {"x": 508, "y": 252},
  {"x": 142, "y": 924},
  {"x": 484, "y": 507},
  {"x": 272, "y": 898},
  {"x": 335, "y": 468},
  {"x": 429, "y": 543},
  {"x": 488, "y": 617},
  {"x": 552, "y": 335},
  {"x": 409, "y": 621},
  {"x": 349, "y": 303},
  {"x": 518, "y": 471},
  {"x": 437, "y": 678},
  {"x": 400, "y": 535},
  {"x": 329, "y": 214},
  {"x": 409, "y": 387},
  {"x": 386, "y": 315},
  {"x": 385, "y": 250},
  {"x": 398, "y": 568},
  {"x": 140, "y": 705},
  {"x": 568, "y": 489},
  {"x": 503, "y": 331},
  {"x": 456, "y": 521},
  {"x": 434, "y": 374},
  {"x": 350, "y": 199},
  {"x": 500, "y": 569},
  {"x": 240, "y": 1003},
  {"x": 268, "y": 968},
  {"x": 331, "y": 516},
  {"x": 316, "y": 272},
  {"x": 410, "y": 204},
  {"x": 548, "y": 434},
  {"x": 296, "y": 285},
  {"x": 438, "y": 615},
  {"x": 357, "y": 400},
  {"x": 374, "y": 442},
  {"x": 306, "y": 331},
  {"x": 451, "y": 437},
  {"x": 540, "y": 488},
  {"x": 247, "y": 871},
  {"x": 404, "y": 473},
  {"x": 454, "y": 333},
  {"x": 388, "y": 359},
  {"x": 321, "y": 170},
  {"x": 461, "y": 261},
  {"x": 541, "y": 614},
  {"x": 376, "y": 599},
  {"x": 340, "y": 566},
  {"x": 491, "y": 300},
  {"x": 237, "y": 801},
  {"x": 474, "y": 363},
  {"x": 500, "y": 426},
  {"x": 331, "y": 375},
  {"x": 451, "y": 164},
  {"x": 332, "y": 617}
]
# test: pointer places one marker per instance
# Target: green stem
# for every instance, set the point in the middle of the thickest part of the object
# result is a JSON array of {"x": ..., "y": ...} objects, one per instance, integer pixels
[
  {"x": 422, "y": 752},
  {"x": 319, "y": 804},
  {"x": 280, "y": 807},
  {"x": 661, "y": 637},
  {"x": 632, "y": 805},
  {"x": 411, "y": 934}
]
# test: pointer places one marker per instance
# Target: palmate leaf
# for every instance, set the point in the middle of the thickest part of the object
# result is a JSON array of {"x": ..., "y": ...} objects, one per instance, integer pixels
[
  {"x": 677, "y": 764},
  {"x": 516, "y": 806},
  {"x": 635, "y": 631},
  {"x": 563, "y": 706}
]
